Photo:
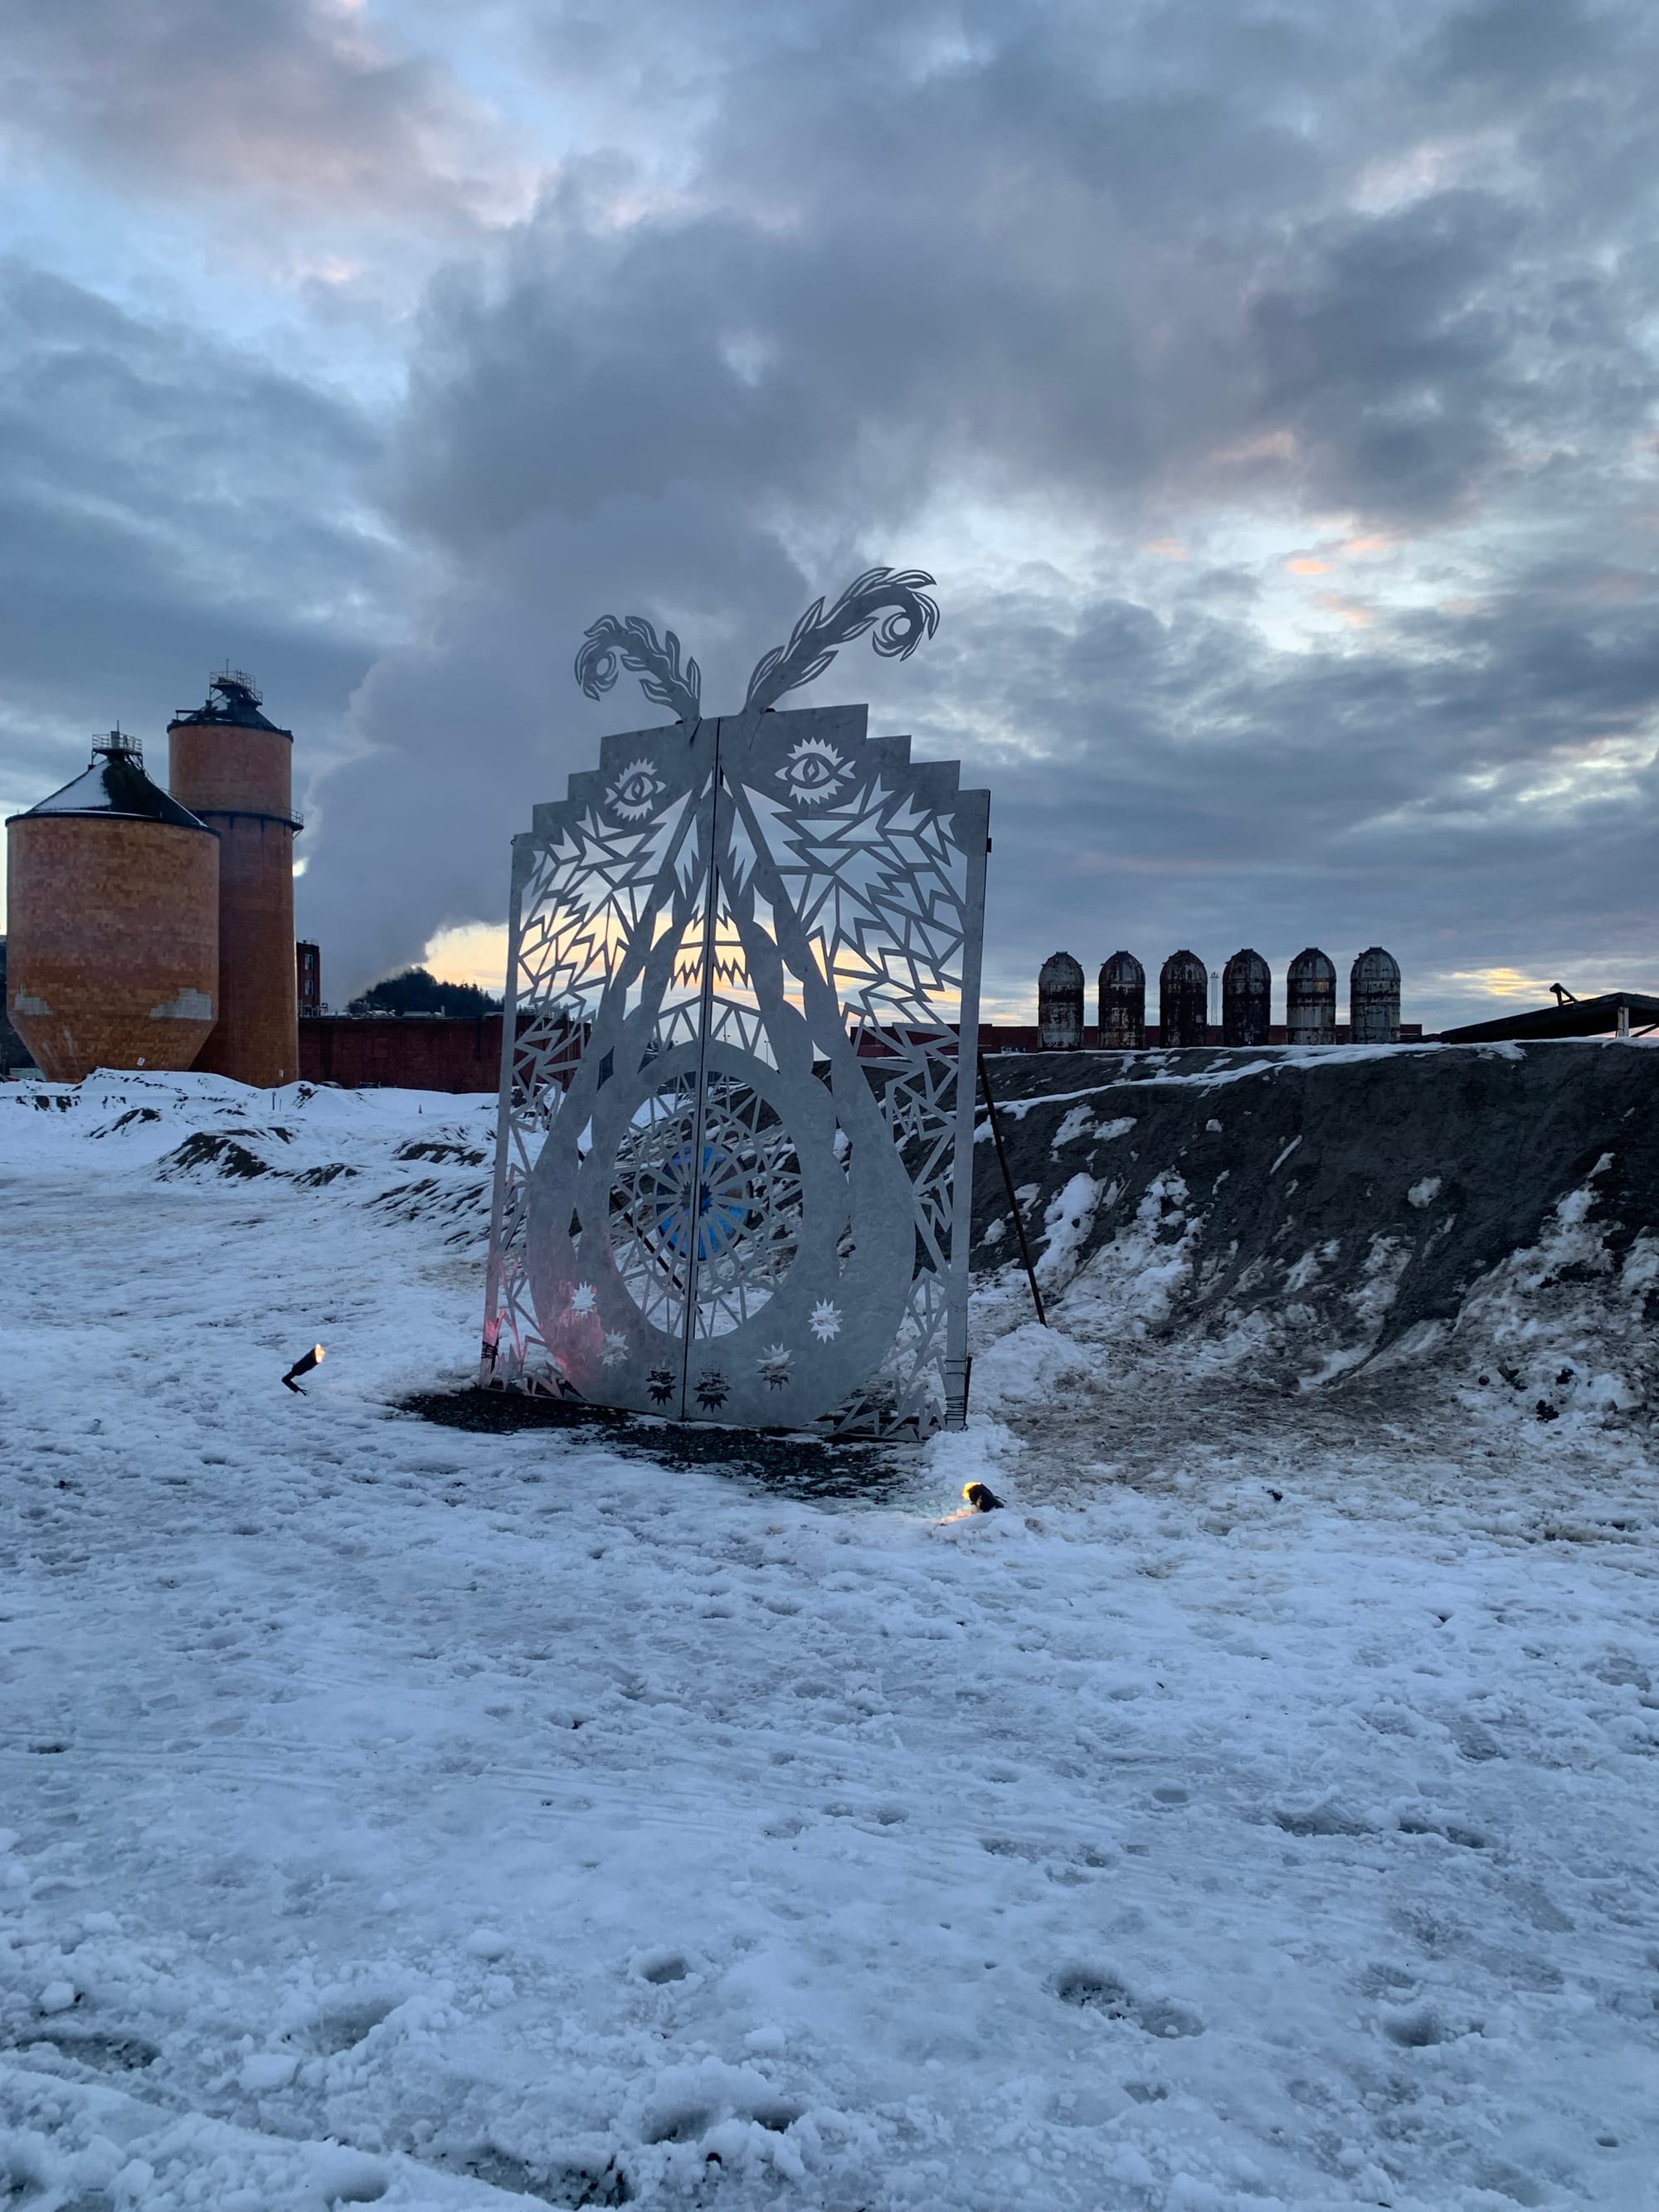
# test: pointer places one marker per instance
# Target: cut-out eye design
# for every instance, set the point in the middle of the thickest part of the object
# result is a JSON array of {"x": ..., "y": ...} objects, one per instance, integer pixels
[
  {"x": 814, "y": 770},
  {"x": 634, "y": 792}
]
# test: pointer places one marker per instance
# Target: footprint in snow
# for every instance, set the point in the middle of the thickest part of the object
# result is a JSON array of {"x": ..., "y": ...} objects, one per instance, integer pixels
[
  {"x": 561, "y": 2185},
  {"x": 1096, "y": 1992},
  {"x": 347, "y": 2026},
  {"x": 108, "y": 2053},
  {"x": 663, "y": 1967},
  {"x": 1420, "y": 2027}
]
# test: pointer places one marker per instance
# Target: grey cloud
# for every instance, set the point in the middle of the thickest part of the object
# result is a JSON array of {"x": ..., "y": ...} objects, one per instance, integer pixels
[
  {"x": 1120, "y": 274},
  {"x": 1522, "y": 46},
  {"x": 293, "y": 98},
  {"x": 1213, "y": 794},
  {"x": 165, "y": 501},
  {"x": 1395, "y": 356},
  {"x": 1022, "y": 276}
]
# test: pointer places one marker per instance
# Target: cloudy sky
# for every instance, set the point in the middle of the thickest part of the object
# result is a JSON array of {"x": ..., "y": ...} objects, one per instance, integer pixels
[{"x": 1270, "y": 388}]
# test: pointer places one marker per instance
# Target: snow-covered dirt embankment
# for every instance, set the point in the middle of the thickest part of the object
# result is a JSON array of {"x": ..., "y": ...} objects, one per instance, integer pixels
[
  {"x": 1278, "y": 1219},
  {"x": 401, "y": 1815}
]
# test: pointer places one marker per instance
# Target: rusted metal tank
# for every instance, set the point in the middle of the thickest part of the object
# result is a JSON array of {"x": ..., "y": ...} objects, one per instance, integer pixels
[
  {"x": 1246, "y": 990},
  {"x": 1310, "y": 999},
  {"x": 1374, "y": 997},
  {"x": 113, "y": 936},
  {"x": 1183, "y": 1001},
  {"x": 1059, "y": 1003},
  {"x": 1122, "y": 1004},
  {"x": 235, "y": 769}
]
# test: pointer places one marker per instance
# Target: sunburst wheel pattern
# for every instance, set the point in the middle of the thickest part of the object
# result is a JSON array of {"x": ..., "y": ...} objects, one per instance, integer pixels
[{"x": 735, "y": 1200}]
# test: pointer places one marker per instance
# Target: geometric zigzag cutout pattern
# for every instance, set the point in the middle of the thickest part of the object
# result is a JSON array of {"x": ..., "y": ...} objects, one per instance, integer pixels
[{"x": 735, "y": 1146}]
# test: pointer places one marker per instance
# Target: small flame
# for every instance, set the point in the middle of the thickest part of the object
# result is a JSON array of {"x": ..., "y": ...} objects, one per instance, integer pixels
[{"x": 317, "y": 1352}]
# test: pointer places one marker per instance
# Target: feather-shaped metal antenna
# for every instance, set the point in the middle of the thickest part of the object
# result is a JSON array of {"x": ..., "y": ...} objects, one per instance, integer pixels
[
  {"x": 655, "y": 662},
  {"x": 893, "y": 598}
]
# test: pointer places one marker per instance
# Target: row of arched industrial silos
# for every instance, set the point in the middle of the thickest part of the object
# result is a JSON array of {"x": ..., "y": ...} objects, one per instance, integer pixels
[{"x": 1183, "y": 1001}]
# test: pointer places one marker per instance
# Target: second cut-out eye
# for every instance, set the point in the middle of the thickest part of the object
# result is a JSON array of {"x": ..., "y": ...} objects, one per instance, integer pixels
[
  {"x": 634, "y": 792},
  {"x": 814, "y": 770}
]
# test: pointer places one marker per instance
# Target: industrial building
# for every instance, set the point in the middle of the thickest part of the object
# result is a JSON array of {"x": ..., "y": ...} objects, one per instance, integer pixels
[
  {"x": 112, "y": 939},
  {"x": 308, "y": 977},
  {"x": 1310, "y": 999},
  {"x": 1610, "y": 1013},
  {"x": 1183, "y": 1001},
  {"x": 234, "y": 770},
  {"x": 1185, "y": 987},
  {"x": 153, "y": 928},
  {"x": 1059, "y": 1003},
  {"x": 1122, "y": 1004},
  {"x": 1247, "y": 998}
]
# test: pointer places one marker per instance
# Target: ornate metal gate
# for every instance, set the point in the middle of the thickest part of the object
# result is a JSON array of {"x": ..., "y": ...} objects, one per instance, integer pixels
[{"x": 734, "y": 1157}]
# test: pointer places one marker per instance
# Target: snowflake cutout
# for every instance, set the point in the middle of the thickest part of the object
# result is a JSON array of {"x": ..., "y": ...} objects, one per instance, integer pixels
[
  {"x": 583, "y": 1298},
  {"x": 813, "y": 771},
  {"x": 616, "y": 1349},
  {"x": 712, "y": 1389},
  {"x": 826, "y": 1320},
  {"x": 660, "y": 1383},
  {"x": 774, "y": 1365}
]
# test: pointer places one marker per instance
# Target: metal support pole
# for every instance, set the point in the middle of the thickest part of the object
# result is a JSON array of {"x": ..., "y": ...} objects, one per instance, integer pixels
[{"x": 1008, "y": 1185}]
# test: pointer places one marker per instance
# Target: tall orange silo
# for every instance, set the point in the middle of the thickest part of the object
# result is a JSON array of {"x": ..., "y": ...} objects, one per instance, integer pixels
[
  {"x": 112, "y": 934},
  {"x": 235, "y": 770}
]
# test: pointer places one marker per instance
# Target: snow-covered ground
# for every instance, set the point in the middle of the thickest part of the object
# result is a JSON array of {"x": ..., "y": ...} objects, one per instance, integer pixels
[{"x": 1263, "y": 1816}]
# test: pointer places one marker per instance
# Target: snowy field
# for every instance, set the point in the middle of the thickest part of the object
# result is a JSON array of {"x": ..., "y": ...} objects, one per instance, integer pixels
[{"x": 1259, "y": 1812}]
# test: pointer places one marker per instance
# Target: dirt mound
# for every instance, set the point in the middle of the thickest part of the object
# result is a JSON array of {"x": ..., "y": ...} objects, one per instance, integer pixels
[{"x": 1298, "y": 1216}]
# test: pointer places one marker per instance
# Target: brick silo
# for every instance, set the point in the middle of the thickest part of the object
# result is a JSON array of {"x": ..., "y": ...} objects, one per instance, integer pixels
[
  {"x": 1310, "y": 999},
  {"x": 235, "y": 770},
  {"x": 1060, "y": 1004},
  {"x": 1374, "y": 997},
  {"x": 1247, "y": 986},
  {"x": 1183, "y": 1001},
  {"x": 1122, "y": 1004},
  {"x": 113, "y": 937}
]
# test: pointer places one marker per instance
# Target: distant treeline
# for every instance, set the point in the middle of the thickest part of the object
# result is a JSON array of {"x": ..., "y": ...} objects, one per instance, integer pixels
[{"x": 417, "y": 992}]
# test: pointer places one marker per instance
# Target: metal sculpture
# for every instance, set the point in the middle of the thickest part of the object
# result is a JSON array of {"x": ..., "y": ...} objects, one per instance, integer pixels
[{"x": 735, "y": 1151}]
